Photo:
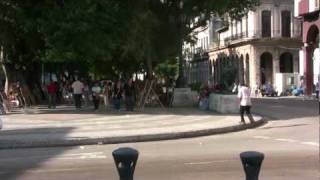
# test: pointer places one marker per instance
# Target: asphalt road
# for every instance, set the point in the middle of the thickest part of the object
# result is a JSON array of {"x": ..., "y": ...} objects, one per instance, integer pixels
[{"x": 290, "y": 142}]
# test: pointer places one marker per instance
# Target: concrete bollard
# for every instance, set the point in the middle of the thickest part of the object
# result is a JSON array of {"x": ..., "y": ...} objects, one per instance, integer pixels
[
  {"x": 125, "y": 160},
  {"x": 251, "y": 161}
]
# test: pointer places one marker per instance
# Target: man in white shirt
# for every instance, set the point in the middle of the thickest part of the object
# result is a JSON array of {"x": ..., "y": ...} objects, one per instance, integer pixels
[
  {"x": 77, "y": 87},
  {"x": 245, "y": 102}
]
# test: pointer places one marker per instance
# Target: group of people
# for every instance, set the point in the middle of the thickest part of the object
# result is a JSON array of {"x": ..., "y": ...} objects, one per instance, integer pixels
[{"x": 108, "y": 92}]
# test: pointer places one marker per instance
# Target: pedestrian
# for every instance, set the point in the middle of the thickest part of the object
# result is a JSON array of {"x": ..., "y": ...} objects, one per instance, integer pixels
[
  {"x": 117, "y": 95},
  {"x": 245, "y": 103},
  {"x": 302, "y": 85},
  {"x": 96, "y": 90},
  {"x": 86, "y": 93},
  {"x": 77, "y": 87},
  {"x": 317, "y": 89},
  {"x": 129, "y": 93},
  {"x": 106, "y": 92},
  {"x": 52, "y": 94}
]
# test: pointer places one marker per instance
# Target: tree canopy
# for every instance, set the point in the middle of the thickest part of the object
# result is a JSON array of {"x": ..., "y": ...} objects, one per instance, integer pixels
[{"x": 109, "y": 35}]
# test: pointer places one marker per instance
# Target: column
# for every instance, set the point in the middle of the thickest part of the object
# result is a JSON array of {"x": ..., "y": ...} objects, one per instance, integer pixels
[
  {"x": 255, "y": 64},
  {"x": 296, "y": 62},
  {"x": 257, "y": 26},
  {"x": 308, "y": 71},
  {"x": 276, "y": 66}
]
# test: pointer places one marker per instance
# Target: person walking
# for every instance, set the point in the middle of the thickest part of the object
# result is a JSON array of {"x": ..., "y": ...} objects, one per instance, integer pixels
[
  {"x": 96, "y": 90},
  {"x": 129, "y": 93},
  {"x": 77, "y": 87},
  {"x": 106, "y": 90},
  {"x": 86, "y": 93},
  {"x": 245, "y": 103},
  {"x": 317, "y": 89},
  {"x": 117, "y": 95},
  {"x": 52, "y": 93}
]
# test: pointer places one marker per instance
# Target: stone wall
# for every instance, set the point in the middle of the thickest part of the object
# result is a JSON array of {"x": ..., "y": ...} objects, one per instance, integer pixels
[{"x": 224, "y": 103}]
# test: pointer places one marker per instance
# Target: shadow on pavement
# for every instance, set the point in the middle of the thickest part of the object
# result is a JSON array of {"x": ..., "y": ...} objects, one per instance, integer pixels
[{"x": 17, "y": 162}]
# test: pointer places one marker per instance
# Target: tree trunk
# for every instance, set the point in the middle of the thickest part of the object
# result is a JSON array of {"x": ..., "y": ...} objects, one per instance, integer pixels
[
  {"x": 5, "y": 103},
  {"x": 149, "y": 69},
  {"x": 181, "y": 79}
]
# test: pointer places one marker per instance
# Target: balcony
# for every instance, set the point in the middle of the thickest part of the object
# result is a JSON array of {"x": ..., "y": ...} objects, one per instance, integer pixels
[
  {"x": 275, "y": 34},
  {"x": 235, "y": 37}
]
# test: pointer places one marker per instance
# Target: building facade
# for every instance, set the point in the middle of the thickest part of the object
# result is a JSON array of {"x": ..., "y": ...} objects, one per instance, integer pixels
[
  {"x": 257, "y": 48},
  {"x": 197, "y": 64},
  {"x": 309, "y": 11}
]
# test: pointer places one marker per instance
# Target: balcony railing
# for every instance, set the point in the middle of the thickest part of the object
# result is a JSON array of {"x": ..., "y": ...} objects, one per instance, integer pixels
[
  {"x": 258, "y": 34},
  {"x": 236, "y": 36}
]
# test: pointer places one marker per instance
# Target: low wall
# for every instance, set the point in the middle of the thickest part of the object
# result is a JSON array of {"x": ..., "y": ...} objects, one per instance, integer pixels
[
  {"x": 184, "y": 97},
  {"x": 223, "y": 103}
]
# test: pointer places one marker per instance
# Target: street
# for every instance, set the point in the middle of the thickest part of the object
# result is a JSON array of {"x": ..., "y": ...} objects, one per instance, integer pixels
[{"x": 290, "y": 142}]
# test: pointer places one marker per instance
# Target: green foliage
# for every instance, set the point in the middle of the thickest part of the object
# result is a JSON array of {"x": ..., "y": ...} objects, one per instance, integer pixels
[
  {"x": 195, "y": 86},
  {"x": 110, "y": 36},
  {"x": 229, "y": 75},
  {"x": 167, "y": 70}
]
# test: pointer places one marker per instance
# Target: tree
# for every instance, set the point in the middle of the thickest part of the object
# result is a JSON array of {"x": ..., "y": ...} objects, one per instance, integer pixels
[
  {"x": 186, "y": 15},
  {"x": 115, "y": 36},
  {"x": 35, "y": 31}
]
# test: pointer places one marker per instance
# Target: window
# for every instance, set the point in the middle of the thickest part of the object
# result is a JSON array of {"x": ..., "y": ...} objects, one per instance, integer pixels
[
  {"x": 241, "y": 30},
  {"x": 285, "y": 23},
  {"x": 266, "y": 23},
  {"x": 231, "y": 24},
  {"x": 286, "y": 63},
  {"x": 247, "y": 26},
  {"x": 236, "y": 26}
]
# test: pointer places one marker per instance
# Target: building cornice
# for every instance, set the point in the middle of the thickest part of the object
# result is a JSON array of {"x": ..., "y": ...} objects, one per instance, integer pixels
[{"x": 289, "y": 43}]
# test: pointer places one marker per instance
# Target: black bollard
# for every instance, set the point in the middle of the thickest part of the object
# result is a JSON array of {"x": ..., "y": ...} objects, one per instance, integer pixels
[
  {"x": 251, "y": 162},
  {"x": 125, "y": 160}
]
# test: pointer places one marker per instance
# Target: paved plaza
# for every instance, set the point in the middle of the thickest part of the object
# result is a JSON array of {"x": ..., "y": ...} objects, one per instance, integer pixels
[{"x": 42, "y": 127}]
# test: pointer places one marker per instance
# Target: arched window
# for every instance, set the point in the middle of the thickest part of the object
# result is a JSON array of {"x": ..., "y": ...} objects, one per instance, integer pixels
[
  {"x": 266, "y": 23},
  {"x": 266, "y": 68},
  {"x": 286, "y": 63},
  {"x": 285, "y": 23}
]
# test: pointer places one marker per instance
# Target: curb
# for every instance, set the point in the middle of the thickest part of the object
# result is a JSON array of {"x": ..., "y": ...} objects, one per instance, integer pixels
[{"x": 128, "y": 139}]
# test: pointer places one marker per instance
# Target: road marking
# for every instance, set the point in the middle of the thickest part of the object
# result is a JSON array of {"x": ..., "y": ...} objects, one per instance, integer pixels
[
  {"x": 37, "y": 171},
  {"x": 311, "y": 143},
  {"x": 287, "y": 140},
  {"x": 207, "y": 162},
  {"x": 82, "y": 156},
  {"x": 262, "y": 137}
]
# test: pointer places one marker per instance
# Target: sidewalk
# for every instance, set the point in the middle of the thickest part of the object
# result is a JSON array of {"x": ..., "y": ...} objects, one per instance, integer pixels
[{"x": 65, "y": 126}]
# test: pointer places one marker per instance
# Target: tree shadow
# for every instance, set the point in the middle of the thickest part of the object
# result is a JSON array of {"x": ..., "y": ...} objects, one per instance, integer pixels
[{"x": 16, "y": 160}]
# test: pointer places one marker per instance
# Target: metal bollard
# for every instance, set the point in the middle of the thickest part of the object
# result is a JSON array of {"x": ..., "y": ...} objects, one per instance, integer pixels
[
  {"x": 251, "y": 161},
  {"x": 125, "y": 160}
]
